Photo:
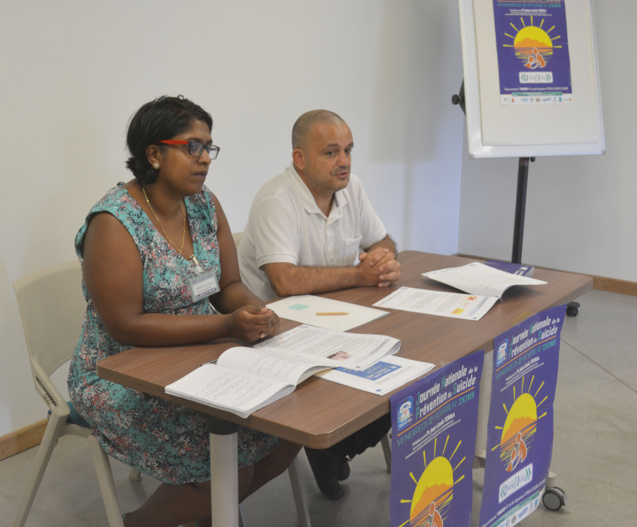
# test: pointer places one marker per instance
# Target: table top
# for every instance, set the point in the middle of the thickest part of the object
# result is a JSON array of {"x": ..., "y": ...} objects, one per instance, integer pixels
[{"x": 320, "y": 413}]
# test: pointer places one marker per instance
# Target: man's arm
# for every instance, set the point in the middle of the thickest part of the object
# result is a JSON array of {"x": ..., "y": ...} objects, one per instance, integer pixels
[{"x": 378, "y": 267}]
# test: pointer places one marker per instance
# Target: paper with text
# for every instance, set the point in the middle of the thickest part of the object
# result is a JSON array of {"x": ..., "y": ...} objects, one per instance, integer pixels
[
  {"x": 351, "y": 350},
  {"x": 480, "y": 279},
  {"x": 380, "y": 378},
  {"x": 455, "y": 305}
]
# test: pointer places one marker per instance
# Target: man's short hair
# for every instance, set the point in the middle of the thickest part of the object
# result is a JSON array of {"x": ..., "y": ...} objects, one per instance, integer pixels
[{"x": 303, "y": 124}]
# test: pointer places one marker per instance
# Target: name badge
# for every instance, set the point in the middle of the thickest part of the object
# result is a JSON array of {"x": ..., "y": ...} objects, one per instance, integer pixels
[{"x": 203, "y": 285}]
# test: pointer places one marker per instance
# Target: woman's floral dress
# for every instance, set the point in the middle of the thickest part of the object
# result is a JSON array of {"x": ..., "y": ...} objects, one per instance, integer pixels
[{"x": 157, "y": 437}]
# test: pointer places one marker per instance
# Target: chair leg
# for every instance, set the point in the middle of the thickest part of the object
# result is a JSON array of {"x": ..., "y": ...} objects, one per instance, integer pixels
[
  {"x": 49, "y": 440},
  {"x": 107, "y": 485},
  {"x": 385, "y": 441},
  {"x": 299, "y": 496},
  {"x": 135, "y": 475}
]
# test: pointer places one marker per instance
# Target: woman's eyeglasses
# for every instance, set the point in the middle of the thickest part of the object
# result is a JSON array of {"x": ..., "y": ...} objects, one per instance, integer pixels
[{"x": 195, "y": 148}]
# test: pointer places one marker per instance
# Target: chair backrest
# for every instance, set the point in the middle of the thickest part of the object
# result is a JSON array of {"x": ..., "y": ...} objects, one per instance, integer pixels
[
  {"x": 52, "y": 308},
  {"x": 237, "y": 238}
]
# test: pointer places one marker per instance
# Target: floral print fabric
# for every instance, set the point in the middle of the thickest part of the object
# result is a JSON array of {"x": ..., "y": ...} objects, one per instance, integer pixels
[{"x": 154, "y": 436}]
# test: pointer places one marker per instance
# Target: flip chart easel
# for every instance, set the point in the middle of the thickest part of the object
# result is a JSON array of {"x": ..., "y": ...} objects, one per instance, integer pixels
[
  {"x": 534, "y": 129},
  {"x": 495, "y": 129}
]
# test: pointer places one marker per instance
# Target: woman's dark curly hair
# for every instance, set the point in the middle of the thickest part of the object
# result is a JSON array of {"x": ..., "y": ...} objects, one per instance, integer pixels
[{"x": 163, "y": 118}]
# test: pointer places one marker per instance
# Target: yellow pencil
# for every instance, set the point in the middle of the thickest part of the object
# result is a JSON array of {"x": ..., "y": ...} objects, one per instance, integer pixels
[{"x": 329, "y": 313}]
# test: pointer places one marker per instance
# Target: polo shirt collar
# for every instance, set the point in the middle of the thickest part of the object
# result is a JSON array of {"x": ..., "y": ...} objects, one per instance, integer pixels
[{"x": 310, "y": 206}]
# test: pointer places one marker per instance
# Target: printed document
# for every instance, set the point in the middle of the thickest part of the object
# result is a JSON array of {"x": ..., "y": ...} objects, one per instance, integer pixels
[
  {"x": 245, "y": 379},
  {"x": 455, "y": 305},
  {"x": 351, "y": 350},
  {"x": 382, "y": 377},
  {"x": 480, "y": 279}
]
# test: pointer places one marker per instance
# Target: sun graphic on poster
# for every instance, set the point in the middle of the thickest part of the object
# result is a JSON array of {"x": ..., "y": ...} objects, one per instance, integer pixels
[
  {"x": 532, "y": 45},
  {"x": 434, "y": 489},
  {"x": 520, "y": 426}
]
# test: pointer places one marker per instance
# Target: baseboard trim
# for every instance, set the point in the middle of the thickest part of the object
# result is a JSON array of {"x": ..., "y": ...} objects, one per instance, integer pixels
[
  {"x": 601, "y": 283},
  {"x": 614, "y": 285},
  {"x": 22, "y": 439}
]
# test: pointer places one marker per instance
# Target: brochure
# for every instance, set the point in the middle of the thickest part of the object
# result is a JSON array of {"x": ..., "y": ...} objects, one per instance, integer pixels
[
  {"x": 245, "y": 379},
  {"x": 382, "y": 377},
  {"x": 480, "y": 279}
]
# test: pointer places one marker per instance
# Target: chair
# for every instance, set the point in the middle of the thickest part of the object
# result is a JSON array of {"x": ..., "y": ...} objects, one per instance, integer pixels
[
  {"x": 386, "y": 444},
  {"x": 52, "y": 307},
  {"x": 236, "y": 236}
]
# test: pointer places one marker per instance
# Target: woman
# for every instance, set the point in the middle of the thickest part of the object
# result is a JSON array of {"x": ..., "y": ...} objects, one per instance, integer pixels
[{"x": 157, "y": 255}]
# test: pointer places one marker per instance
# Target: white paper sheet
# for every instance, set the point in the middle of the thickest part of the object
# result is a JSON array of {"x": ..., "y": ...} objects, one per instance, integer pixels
[
  {"x": 480, "y": 279},
  {"x": 304, "y": 309},
  {"x": 455, "y": 305},
  {"x": 352, "y": 350}
]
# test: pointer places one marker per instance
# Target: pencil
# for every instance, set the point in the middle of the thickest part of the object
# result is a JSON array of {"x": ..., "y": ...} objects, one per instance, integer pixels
[{"x": 329, "y": 313}]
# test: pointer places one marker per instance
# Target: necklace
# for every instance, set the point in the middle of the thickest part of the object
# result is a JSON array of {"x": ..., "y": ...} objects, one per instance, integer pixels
[{"x": 183, "y": 215}]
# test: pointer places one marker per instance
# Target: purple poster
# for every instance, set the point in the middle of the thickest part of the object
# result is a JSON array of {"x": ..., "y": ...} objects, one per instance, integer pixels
[
  {"x": 520, "y": 428},
  {"x": 533, "y": 55},
  {"x": 433, "y": 441}
]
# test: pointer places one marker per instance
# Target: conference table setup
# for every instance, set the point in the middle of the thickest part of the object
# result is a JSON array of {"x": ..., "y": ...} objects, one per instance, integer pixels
[{"x": 320, "y": 413}]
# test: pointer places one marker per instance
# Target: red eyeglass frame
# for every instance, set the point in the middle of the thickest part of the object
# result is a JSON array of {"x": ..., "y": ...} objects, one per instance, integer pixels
[{"x": 187, "y": 142}]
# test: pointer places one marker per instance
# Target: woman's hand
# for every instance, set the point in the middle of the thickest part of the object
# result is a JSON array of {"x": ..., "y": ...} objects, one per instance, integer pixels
[{"x": 249, "y": 323}]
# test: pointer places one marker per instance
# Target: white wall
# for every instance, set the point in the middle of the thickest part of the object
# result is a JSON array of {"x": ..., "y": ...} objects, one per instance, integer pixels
[
  {"x": 73, "y": 72},
  {"x": 581, "y": 214}
]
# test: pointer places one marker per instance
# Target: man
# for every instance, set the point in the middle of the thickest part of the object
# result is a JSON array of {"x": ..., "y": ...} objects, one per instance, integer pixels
[{"x": 306, "y": 229}]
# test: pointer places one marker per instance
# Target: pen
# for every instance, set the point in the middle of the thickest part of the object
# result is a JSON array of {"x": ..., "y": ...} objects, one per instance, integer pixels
[{"x": 329, "y": 313}]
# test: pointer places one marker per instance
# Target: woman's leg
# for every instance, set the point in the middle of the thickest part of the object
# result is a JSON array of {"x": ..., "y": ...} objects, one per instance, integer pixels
[
  {"x": 270, "y": 467},
  {"x": 255, "y": 476},
  {"x": 173, "y": 505}
]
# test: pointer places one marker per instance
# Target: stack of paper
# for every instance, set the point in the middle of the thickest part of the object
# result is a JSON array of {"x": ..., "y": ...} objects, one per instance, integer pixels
[
  {"x": 484, "y": 284},
  {"x": 245, "y": 379}
]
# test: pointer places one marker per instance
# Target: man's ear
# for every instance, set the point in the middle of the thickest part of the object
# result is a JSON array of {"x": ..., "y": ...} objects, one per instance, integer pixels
[
  {"x": 153, "y": 154},
  {"x": 298, "y": 157}
]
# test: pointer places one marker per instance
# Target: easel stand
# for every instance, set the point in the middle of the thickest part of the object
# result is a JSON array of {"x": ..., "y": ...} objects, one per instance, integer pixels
[
  {"x": 520, "y": 202},
  {"x": 520, "y": 208},
  {"x": 518, "y": 227}
]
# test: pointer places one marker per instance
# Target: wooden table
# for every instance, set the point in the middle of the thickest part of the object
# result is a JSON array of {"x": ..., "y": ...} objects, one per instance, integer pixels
[{"x": 320, "y": 413}]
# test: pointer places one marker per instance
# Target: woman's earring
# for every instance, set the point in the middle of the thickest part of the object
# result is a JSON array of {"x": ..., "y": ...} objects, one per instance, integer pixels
[{"x": 156, "y": 166}]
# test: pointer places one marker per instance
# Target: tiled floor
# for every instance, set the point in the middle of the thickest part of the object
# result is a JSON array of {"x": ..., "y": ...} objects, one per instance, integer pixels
[{"x": 594, "y": 452}]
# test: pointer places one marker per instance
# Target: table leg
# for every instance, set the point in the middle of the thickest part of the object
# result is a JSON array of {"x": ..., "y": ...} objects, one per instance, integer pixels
[
  {"x": 484, "y": 404},
  {"x": 224, "y": 482}
]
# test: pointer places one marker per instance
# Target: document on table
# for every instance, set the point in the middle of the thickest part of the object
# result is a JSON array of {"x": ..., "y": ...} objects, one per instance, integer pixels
[
  {"x": 382, "y": 377},
  {"x": 351, "y": 350},
  {"x": 245, "y": 379},
  {"x": 324, "y": 312},
  {"x": 480, "y": 279},
  {"x": 454, "y": 305}
]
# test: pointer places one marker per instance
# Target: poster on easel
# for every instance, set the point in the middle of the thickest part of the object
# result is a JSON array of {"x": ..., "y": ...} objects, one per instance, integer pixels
[
  {"x": 433, "y": 443},
  {"x": 531, "y": 84},
  {"x": 533, "y": 54},
  {"x": 520, "y": 425}
]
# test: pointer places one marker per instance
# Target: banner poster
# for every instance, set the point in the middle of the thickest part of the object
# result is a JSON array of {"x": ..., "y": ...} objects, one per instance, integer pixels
[
  {"x": 520, "y": 426},
  {"x": 533, "y": 56},
  {"x": 433, "y": 444}
]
